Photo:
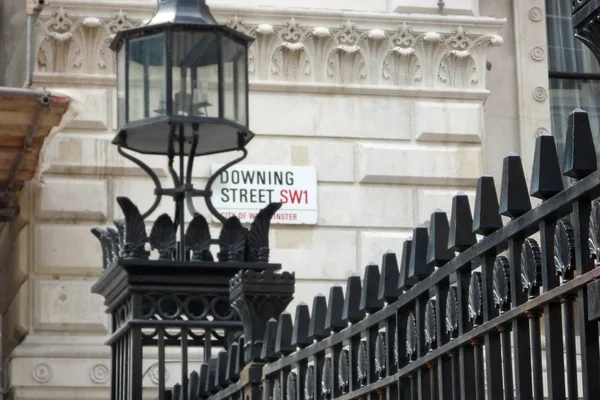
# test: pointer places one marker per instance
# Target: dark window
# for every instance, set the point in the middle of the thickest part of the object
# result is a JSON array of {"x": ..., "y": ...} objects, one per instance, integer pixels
[{"x": 574, "y": 73}]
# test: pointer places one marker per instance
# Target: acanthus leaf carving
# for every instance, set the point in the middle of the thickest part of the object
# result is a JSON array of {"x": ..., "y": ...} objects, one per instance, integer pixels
[
  {"x": 294, "y": 51},
  {"x": 79, "y": 45}
]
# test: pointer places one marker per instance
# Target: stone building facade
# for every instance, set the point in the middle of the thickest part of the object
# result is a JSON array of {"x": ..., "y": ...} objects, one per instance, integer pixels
[{"x": 398, "y": 104}]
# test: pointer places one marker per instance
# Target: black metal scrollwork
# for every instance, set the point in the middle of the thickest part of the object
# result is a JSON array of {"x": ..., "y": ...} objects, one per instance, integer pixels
[
  {"x": 163, "y": 237},
  {"x": 430, "y": 323},
  {"x": 309, "y": 383},
  {"x": 501, "y": 278},
  {"x": 594, "y": 233},
  {"x": 411, "y": 336},
  {"x": 564, "y": 249},
  {"x": 292, "y": 386},
  {"x": 134, "y": 228},
  {"x": 531, "y": 267},
  {"x": 326, "y": 378},
  {"x": 344, "y": 370},
  {"x": 363, "y": 365},
  {"x": 475, "y": 298},
  {"x": 276, "y": 391},
  {"x": 237, "y": 243},
  {"x": 380, "y": 354},
  {"x": 197, "y": 239},
  {"x": 451, "y": 311}
]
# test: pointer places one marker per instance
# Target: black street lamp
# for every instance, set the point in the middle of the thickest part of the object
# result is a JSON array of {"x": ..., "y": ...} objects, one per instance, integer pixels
[
  {"x": 182, "y": 90},
  {"x": 182, "y": 78}
]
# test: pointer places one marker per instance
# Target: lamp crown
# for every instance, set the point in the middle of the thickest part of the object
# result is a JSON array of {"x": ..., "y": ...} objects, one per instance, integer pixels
[{"x": 193, "y": 12}]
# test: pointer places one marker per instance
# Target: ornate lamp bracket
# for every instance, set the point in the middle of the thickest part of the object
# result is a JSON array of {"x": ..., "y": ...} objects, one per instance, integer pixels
[{"x": 183, "y": 189}]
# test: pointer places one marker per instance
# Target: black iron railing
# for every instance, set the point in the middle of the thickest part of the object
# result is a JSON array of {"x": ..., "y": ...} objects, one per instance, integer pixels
[{"x": 460, "y": 317}]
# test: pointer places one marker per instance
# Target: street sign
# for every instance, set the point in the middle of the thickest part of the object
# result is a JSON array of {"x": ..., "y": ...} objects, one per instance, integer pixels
[{"x": 243, "y": 190}]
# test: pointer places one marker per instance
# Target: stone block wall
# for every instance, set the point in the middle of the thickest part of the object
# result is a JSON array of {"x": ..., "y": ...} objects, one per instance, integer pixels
[{"x": 389, "y": 108}]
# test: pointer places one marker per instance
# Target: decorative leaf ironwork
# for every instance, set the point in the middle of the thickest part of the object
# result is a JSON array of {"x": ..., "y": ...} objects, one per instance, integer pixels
[
  {"x": 309, "y": 383},
  {"x": 362, "y": 365},
  {"x": 411, "y": 336},
  {"x": 197, "y": 239},
  {"x": 276, "y": 390},
  {"x": 163, "y": 237},
  {"x": 327, "y": 378},
  {"x": 135, "y": 237},
  {"x": 452, "y": 311},
  {"x": 258, "y": 237},
  {"x": 501, "y": 277},
  {"x": 232, "y": 240},
  {"x": 344, "y": 370},
  {"x": 115, "y": 244},
  {"x": 594, "y": 239},
  {"x": 106, "y": 245},
  {"x": 531, "y": 267},
  {"x": 430, "y": 323},
  {"x": 564, "y": 249},
  {"x": 380, "y": 354},
  {"x": 292, "y": 386},
  {"x": 475, "y": 298},
  {"x": 120, "y": 225}
]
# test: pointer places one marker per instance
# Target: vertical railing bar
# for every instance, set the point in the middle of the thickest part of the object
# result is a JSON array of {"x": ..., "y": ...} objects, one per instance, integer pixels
[
  {"x": 492, "y": 348},
  {"x": 354, "y": 381},
  {"x": 444, "y": 362},
  {"x": 128, "y": 381},
  {"x": 432, "y": 380},
  {"x": 404, "y": 383},
  {"x": 588, "y": 331},
  {"x": 479, "y": 369},
  {"x": 521, "y": 344},
  {"x": 283, "y": 374},
  {"x": 536, "y": 354},
  {"x": 161, "y": 364},
  {"x": 423, "y": 372},
  {"x": 372, "y": 333},
  {"x": 466, "y": 353},
  {"x": 267, "y": 389},
  {"x": 136, "y": 351},
  {"x": 336, "y": 351},
  {"x": 555, "y": 372},
  {"x": 507, "y": 364},
  {"x": 318, "y": 384},
  {"x": 207, "y": 344},
  {"x": 391, "y": 392},
  {"x": 455, "y": 373},
  {"x": 120, "y": 388},
  {"x": 113, "y": 372},
  {"x": 570, "y": 346},
  {"x": 184, "y": 363},
  {"x": 302, "y": 368},
  {"x": 414, "y": 387}
]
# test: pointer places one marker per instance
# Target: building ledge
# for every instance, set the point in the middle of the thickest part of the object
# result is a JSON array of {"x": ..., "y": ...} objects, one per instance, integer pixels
[{"x": 27, "y": 118}]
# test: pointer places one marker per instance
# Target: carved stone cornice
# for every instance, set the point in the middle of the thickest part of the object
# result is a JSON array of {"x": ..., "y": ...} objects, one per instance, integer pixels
[{"x": 293, "y": 45}]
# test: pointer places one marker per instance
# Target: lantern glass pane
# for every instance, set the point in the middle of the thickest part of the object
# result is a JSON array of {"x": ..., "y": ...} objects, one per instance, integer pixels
[
  {"x": 146, "y": 77},
  {"x": 195, "y": 74},
  {"x": 121, "y": 84},
  {"x": 235, "y": 85}
]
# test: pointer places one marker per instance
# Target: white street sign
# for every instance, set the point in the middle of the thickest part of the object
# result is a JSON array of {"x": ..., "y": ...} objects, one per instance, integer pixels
[{"x": 245, "y": 189}]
